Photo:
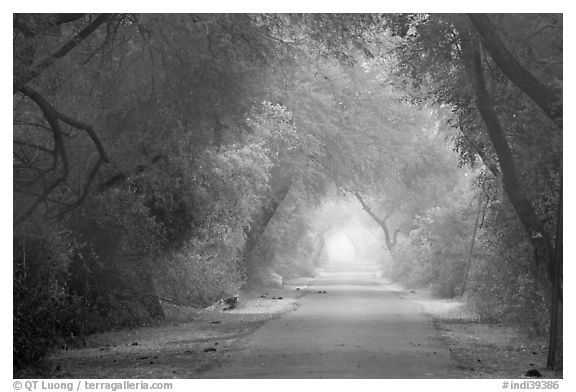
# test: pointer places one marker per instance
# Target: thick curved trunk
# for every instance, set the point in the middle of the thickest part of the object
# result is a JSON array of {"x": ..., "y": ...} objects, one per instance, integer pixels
[
  {"x": 29, "y": 73},
  {"x": 390, "y": 240},
  {"x": 548, "y": 98},
  {"x": 147, "y": 293},
  {"x": 260, "y": 223},
  {"x": 539, "y": 238}
]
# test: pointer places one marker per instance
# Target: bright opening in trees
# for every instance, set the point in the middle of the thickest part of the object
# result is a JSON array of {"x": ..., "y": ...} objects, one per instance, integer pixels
[{"x": 340, "y": 248}]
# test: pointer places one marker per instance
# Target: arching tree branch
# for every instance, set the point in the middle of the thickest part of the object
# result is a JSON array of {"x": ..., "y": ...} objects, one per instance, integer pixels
[
  {"x": 548, "y": 98},
  {"x": 22, "y": 78},
  {"x": 390, "y": 242},
  {"x": 53, "y": 117},
  {"x": 85, "y": 189},
  {"x": 59, "y": 151},
  {"x": 30, "y": 25},
  {"x": 91, "y": 132}
]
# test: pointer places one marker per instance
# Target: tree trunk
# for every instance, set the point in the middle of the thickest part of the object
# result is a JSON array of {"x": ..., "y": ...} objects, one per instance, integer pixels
[
  {"x": 260, "y": 223},
  {"x": 548, "y": 98},
  {"x": 30, "y": 73},
  {"x": 540, "y": 240},
  {"x": 556, "y": 309},
  {"x": 471, "y": 251},
  {"x": 318, "y": 254},
  {"x": 390, "y": 242},
  {"x": 151, "y": 300},
  {"x": 321, "y": 245}
]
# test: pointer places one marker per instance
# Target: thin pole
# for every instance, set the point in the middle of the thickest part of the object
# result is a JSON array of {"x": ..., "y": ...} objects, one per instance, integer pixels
[
  {"x": 469, "y": 261},
  {"x": 553, "y": 337}
]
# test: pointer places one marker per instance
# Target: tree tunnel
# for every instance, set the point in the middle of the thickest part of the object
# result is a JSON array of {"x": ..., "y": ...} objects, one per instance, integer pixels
[
  {"x": 353, "y": 239},
  {"x": 192, "y": 156}
]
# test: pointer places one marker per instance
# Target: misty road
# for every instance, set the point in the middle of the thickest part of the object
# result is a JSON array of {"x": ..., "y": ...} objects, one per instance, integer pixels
[{"x": 359, "y": 328}]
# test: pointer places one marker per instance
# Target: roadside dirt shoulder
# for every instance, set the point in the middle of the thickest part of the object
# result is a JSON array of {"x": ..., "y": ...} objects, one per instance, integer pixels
[
  {"x": 482, "y": 350},
  {"x": 189, "y": 342}
]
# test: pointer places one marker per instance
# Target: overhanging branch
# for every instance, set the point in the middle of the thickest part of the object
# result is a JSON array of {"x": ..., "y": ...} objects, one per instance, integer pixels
[
  {"x": 548, "y": 98},
  {"x": 23, "y": 78},
  {"x": 91, "y": 132},
  {"x": 390, "y": 243},
  {"x": 53, "y": 117},
  {"x": 59, "y": 148}
]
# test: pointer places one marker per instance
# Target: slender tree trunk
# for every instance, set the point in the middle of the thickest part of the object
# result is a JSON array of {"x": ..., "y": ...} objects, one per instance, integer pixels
[
  {"x": 321, "y": 244},
  {"x": 150, "y": 298},
  {"x": 471, "y": 251},
  {"x": 318, "y": 253},
  {"x": 556, "y": 311},
  {"x": 539, "y": 238},
  {"x": 390, "y": 242}
]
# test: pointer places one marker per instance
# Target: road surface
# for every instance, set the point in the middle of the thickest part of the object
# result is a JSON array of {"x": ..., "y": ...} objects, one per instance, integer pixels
[{"x": 359, "y": 328}]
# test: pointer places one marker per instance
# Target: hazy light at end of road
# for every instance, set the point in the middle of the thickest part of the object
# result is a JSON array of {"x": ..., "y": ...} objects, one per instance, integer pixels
[{"x": 340, "y": 248}]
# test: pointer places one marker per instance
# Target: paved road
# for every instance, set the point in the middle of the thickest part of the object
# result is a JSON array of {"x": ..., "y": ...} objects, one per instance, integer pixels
[{"x": 358, "y": 329}]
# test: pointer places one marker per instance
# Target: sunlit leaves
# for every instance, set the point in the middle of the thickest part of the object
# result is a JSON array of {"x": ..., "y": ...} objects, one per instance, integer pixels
[{"x": 273, "y": 128}]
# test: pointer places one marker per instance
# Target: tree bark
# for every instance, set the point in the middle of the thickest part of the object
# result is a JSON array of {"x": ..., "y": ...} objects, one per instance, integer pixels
[
  {"x": 539, "y": 238},
  {"x": 548, "y": 98}
]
